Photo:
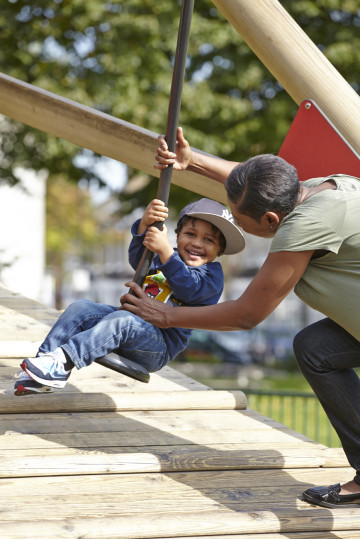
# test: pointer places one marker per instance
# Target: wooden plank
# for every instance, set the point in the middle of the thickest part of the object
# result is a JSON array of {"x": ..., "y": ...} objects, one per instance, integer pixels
[
  {"x": 152, "y": 400},
  {"x": 145, "y": 428},
  {"x": 162, "y": 505},
  {"x": 108, "y": 528},
  {"x": 22, "y": 348},
  {"x": 95, "y": 130},
  {"x": 153, "y": 437},
  {"x": 275, "y": 452},
  {"x": 6, "y": 292},
  {"x": 136, "y": 493},
  {"x": 23, "y": 463},
  {"x": 166, "y": 420},
  {"x": 19, "y": 303},
  {"x": 192, "y": 482},
  {"x": 153, "y": 502},
  {"x": 24, "y": 324}
]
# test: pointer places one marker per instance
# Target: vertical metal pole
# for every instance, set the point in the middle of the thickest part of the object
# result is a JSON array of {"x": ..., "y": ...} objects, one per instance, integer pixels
[{"x": 172, "y": 123}]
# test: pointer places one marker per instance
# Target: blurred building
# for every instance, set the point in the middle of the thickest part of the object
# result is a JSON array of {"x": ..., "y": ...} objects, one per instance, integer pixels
[{"x": 22, "y": 238}]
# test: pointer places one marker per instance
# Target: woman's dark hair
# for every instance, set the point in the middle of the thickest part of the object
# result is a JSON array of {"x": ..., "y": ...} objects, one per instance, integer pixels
[
  {"x": 188, "y": 218},
  {"x": 263, "y": 183}
]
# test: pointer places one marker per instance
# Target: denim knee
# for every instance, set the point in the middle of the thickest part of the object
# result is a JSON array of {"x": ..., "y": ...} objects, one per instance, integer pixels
[{"x": 80, "y": 305}]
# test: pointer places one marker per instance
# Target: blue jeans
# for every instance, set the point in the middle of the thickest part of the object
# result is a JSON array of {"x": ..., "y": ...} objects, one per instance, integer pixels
[
  {"x": 88, "y": 330},
  {"x": 327, "y": 356}
]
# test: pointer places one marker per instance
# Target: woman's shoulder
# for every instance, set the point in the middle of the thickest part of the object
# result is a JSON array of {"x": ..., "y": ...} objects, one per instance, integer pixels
[{"x": 343, "y": 182}]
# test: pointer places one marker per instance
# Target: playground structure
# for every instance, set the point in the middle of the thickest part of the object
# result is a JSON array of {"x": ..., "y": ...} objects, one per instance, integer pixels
[
  {"x": 223, "y": 506},
  {"x": 294, "y": 60},
  {"x": 271, "y": 33},
  {"x": 108, "y": 457}
]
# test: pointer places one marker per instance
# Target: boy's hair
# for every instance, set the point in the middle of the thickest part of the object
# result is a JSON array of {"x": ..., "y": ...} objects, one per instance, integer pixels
[
  {"x": 186, "y": 218},
  {"x": 263, "y": 183}
]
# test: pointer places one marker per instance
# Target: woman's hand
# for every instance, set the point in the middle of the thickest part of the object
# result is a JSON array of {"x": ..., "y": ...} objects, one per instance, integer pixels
[
  {"x": 149, "y": 309},
  {"x": 182, "y": 157}
]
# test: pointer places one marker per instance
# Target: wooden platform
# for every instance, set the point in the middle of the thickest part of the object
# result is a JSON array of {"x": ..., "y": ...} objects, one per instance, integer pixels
[{"x": 109, "y": 457}]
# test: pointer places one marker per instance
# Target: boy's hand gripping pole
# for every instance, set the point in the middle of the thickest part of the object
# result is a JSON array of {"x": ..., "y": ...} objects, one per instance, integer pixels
[{"x": 172, "y": 124}]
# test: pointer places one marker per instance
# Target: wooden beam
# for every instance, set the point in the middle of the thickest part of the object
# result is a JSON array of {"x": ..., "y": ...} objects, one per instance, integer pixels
[
  {"x": 295, "y": 61},
  {"x": 161, "y": 458},
  {"x": 152, "y": 400},
  {"x": 95, "y": 130}
]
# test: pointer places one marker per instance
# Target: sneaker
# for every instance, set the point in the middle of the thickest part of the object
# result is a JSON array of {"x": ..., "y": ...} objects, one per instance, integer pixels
[
  {"x": 26, "y": 385},
  {"x": 48, "y": 369}
]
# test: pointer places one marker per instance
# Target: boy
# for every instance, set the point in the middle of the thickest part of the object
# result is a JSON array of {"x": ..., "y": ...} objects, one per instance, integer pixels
[{"x": 187, "y": 275}]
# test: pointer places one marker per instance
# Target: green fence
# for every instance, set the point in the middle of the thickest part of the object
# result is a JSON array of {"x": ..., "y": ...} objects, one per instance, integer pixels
[{"x": 301, "y": 412}]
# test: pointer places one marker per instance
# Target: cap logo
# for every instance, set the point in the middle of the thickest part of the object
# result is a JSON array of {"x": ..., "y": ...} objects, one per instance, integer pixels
[{"x": 228, "y": 216}]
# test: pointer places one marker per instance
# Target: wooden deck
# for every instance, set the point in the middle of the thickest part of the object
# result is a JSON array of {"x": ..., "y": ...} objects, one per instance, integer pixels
[{"x": 109, "y": 457}]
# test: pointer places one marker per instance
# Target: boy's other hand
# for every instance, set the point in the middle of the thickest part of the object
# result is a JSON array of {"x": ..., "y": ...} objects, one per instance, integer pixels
[
  {"x": 155, "y": 211},
  {"x": 157, "y": 241}
]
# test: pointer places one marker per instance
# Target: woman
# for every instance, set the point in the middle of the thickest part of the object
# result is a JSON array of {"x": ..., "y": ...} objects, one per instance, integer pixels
[{"x": 315, "y": 249}]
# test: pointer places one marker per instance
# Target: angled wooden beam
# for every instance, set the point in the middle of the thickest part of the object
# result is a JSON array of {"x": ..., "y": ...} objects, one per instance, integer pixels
[
  {"x": 92, "y": 129},
  {"x": 295, "y": 61}
]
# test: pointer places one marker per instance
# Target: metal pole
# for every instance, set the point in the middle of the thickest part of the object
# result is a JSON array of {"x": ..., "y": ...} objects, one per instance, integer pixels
[{"x": 172, "y": 124}]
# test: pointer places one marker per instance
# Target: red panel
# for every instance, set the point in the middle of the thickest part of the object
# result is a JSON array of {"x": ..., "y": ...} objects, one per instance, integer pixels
[{"x": 315, "y": 147}]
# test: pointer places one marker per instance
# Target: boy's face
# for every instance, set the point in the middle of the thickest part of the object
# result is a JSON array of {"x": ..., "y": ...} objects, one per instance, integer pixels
[{"x": 198, "y": 242}]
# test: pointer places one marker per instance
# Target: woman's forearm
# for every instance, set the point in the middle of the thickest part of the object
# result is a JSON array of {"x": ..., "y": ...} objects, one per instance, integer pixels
[
  {"x": 210, "y": 166},
  {"x": 220, "y": 317}
]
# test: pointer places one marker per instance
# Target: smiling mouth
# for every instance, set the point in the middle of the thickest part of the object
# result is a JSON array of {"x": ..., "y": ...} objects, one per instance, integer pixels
[{"x": 192, "y": 253}]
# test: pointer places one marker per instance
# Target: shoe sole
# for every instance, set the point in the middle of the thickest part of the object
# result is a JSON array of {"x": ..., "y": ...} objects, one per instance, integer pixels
[
  {"x": 21, "y": 390},
  {"x": 52, "y": 383},
  {"x": 315, "y": 501}
]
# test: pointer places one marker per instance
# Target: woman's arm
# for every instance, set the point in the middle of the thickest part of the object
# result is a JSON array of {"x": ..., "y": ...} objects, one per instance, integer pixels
[
  {"x": 212, "y": 167},
  {"x": 187, "y": 158},
  {"x": 276, "y": 278}
]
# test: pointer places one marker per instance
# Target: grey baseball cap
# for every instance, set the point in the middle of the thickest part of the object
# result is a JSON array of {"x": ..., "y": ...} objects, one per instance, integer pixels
[{"x": 218, "y": 215}]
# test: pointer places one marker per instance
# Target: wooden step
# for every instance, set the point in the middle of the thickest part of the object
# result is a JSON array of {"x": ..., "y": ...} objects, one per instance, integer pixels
[
  {"x": 106, "y": 460},
  {"x": 110, "y": 457},
  {"x": 157, "y": 400},
  {"x": 161, "y": 505}
]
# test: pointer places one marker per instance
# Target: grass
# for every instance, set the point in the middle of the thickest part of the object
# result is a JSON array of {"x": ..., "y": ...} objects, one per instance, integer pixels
[{"x": 303, "y": 414}]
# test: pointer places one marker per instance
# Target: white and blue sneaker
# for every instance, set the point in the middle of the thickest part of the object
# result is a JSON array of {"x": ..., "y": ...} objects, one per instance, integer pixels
[
  {"x": 48, "y": 369},
  {"x": 25, "y": 385}
]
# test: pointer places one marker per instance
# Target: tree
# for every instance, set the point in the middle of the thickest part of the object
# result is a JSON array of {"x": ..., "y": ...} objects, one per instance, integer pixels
[
  {"x": 117, "y": 57},
  {"x": 72, "y": 228}
]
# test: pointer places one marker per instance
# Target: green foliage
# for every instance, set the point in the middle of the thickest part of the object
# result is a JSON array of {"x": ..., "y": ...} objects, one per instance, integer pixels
[
  {"x": 117, "y": 56},
  {"x": 72, "y": 228}
]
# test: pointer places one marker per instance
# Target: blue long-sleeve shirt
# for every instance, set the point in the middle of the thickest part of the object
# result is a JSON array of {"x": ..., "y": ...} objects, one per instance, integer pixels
[{"x": 185, "y": 285}]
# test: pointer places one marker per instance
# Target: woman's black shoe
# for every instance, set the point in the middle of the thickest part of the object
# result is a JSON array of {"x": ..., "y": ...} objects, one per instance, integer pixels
[{"x": 330, "y": 497}]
